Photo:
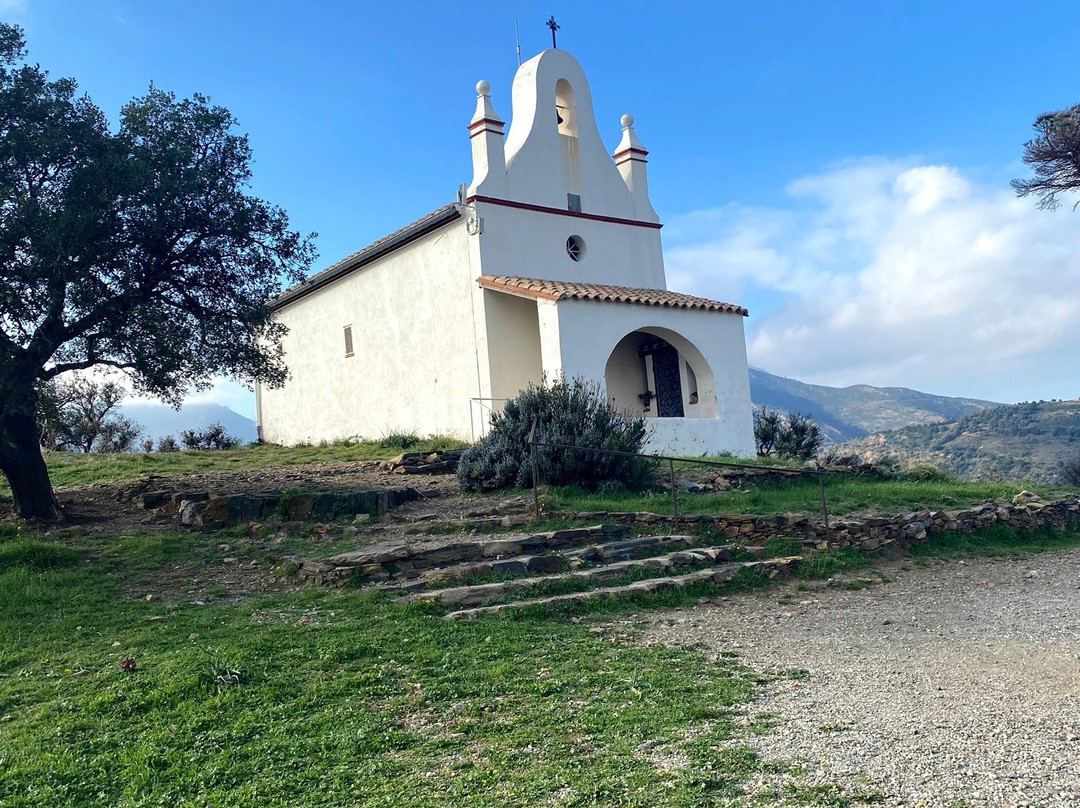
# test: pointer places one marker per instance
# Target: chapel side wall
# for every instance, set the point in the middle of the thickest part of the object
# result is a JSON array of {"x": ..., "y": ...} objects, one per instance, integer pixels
[
  {"x": 532, "y": 244},
  {"x": 414, "y": 367},
  {"x": 589, "y": 332}
]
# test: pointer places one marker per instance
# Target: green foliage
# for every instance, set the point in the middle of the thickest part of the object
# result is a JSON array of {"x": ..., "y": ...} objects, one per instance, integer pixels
[
  {"x": 800, "y": 439},
  {"x": 168, "y": 443},
  {"x": 137, "y": 248},
  {"x": 574, "y": 413},
  {"x": 996, "y": 540},
  {"x": 33, "y": 554},
  {"x": 404, "y": 441},
  {"x": 829, "y": 562},
  {"x": 846, "y": 494},
  {"x": 213, "y": 438},
  {"x": 767, "y": 426},
  {"x": 79, "y": 413},
  {"x": 794, "y": 436}
]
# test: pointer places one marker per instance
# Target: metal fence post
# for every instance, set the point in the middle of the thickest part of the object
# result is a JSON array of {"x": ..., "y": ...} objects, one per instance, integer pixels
[
  {"x": 674, "y": 497},
  {"x": 825, "y": 508},
  {"x": 535, "y": 469}
]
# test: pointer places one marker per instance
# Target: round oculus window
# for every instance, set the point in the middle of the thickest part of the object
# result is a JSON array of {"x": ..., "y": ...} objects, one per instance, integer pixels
[{"x": 575, "y": 247}]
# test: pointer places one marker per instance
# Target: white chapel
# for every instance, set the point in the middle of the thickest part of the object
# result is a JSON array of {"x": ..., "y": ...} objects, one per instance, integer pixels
[{"x": 549, "y": 263}]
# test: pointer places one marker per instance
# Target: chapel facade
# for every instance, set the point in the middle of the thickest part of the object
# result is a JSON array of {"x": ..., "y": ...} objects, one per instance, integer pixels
[{"x": 548, "y": 264}]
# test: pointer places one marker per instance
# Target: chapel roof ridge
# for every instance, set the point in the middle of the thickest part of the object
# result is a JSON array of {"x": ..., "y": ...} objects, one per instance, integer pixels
[{"x": 604, "y": 293}]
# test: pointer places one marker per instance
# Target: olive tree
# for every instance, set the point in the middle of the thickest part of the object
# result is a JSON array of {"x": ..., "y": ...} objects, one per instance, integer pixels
[
  {"x": 1054, "y": 156},
  {"x": 139, "y": 249}
]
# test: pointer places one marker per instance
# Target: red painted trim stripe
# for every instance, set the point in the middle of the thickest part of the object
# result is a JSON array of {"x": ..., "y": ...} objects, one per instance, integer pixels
[
  {"x": 506, "y": 203},
  {"x": 482, "y": 121}
]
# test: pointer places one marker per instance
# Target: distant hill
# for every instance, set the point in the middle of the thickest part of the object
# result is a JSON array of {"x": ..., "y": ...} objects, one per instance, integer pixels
[
  {"x": 846, "y": 413},
  {"x": 1013, "y": 442},
  {"x": 159, "y": 420}
]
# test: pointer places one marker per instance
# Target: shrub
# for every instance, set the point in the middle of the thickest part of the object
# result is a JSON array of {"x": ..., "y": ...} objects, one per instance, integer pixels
[
  {"x": 168, "y": 444},
  {"x": 767, "y": 426},
  {"x": 800, "y": 439},
  {"x": 795, "y": 436},
  {"x": 575, "y": 413},
  {"x": 1070, "y": 471},
  {"x": 213, "y": 437},
  {"x": 400, "y": 440}
]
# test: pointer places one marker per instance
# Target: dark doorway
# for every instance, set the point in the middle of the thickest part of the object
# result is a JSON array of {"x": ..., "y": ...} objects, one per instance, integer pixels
[{"x": 669, "y": 398}]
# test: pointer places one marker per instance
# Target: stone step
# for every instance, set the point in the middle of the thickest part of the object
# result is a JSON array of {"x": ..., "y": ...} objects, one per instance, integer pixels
[
  {"x": 478, "y": 594},
  {"x": 402, "y": 559},
  {"x": 771, "y": 568},
  {"x": 520, "y": 566}
]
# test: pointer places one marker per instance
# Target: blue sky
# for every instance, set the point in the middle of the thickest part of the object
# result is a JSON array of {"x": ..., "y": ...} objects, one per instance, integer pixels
[{"x": 840, "y": 168}]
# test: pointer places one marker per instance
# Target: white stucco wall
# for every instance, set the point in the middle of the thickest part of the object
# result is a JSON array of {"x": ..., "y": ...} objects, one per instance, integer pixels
[
  {"x": 532, "y": 244},
  {"x": 589, "y": 331},
  {"x": 416, "y": 349}
]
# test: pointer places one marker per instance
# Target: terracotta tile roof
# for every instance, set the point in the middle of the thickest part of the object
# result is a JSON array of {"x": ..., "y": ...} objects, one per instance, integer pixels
[
  {"x": 565, "y": 290},
  {"x": 378, "y": 249}
]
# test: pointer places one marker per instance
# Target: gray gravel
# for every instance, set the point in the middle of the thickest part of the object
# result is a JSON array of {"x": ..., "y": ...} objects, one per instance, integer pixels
[{"x": 955, "y": 683}]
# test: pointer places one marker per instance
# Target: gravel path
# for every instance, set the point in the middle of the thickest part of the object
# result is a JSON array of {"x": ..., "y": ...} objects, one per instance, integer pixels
[{"x": 954, "y": 684}]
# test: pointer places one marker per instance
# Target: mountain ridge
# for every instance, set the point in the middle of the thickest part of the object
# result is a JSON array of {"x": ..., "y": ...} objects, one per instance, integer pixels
[
  {"x": 856, "y": 411},
  {"x": 1028, "y": 441}
]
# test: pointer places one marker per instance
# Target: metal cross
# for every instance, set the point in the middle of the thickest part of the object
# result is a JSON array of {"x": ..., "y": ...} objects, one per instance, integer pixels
[{"x": 554, "y": 26}]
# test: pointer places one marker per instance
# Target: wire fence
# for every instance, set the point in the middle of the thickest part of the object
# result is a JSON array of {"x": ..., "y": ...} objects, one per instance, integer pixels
[{"x": 535, "y": 446}]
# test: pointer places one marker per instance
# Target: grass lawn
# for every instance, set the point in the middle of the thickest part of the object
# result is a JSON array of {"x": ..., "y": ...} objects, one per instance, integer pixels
[
  {"x": 69, "y": 468},
  {"x": 844, "y": 494},
  {"x": 316, "y": 698}
]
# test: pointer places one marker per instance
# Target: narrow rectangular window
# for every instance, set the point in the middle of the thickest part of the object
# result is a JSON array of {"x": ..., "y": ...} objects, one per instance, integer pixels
[
  {"x": 348, "y": 341},
  {"x": 573, "y": 203}
]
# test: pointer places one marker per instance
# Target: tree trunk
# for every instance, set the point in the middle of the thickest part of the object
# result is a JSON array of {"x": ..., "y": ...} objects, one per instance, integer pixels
[{"x": 20, "y": 458}]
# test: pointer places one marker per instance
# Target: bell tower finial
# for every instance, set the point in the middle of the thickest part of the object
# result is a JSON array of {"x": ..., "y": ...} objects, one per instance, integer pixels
[
  {"x": 486, "y": 135},
  {"x": 554, "y": 26}
]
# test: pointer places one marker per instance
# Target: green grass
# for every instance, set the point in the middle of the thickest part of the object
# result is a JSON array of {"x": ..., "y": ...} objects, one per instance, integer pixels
[
  {"x": 845, "y": 495},
  {"x": 997, "y": 540},
  {"x": 67, "y": 468},
  {"x": 316, "y": 698}
]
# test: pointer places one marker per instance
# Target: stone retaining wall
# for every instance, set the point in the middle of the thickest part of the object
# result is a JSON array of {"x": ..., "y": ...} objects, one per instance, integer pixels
[
  {"x": 207, "y": 511},
  {"x": 1025, "y": 512}
]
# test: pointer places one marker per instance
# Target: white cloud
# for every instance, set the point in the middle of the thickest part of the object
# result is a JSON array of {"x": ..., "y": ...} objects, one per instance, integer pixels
[{"x": 897, "y": 273}]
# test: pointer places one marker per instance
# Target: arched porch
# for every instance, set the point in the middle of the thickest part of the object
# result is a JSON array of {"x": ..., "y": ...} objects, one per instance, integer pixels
[{"x": 658, "y": 373}]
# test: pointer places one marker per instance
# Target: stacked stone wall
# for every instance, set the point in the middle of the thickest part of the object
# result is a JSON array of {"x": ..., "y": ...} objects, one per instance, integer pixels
[{"x": 1025, "y": 512}]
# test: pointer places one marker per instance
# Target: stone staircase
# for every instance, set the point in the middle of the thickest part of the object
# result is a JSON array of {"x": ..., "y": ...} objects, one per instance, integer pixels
[{"x": 537, "y": 569}]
